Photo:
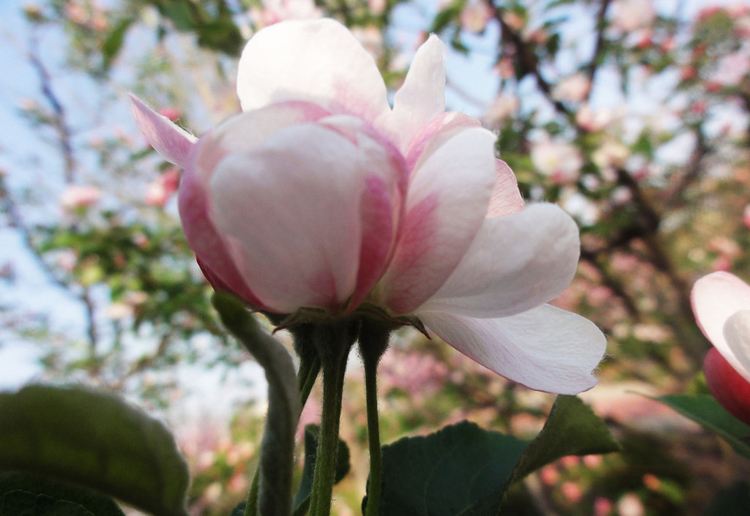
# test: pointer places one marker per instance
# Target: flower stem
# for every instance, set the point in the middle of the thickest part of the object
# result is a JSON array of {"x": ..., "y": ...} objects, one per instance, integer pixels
[
  {"x": 373, "y": 341},
  {"x": 333, "y": 343},
  {"x": 309, "y": 368}
]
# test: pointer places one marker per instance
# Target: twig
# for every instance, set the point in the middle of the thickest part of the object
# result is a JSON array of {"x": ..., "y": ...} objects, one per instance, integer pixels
[{"x": 601, "y": 24}]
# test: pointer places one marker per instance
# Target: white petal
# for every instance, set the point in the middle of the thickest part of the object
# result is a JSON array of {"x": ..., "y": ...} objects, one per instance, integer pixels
[
  {"x": 737, "y": 336},
  {"x": 514, "y": 264},
  {"x": 294, "y": 206},
  {"x": 715, "y": 298},
  {"x": 247, "y": 130},
  {"x": 546, "y": 348},
  {"x": 506, "y": 198},
  {"x": 318, "y": 61},
  {"x": 169, "y": 140},
  {"x": 422, "y": 96},
  {"x": 447, "y": 200}
]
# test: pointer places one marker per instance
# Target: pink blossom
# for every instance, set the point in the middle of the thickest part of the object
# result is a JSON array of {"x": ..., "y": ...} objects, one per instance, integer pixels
[
  {"x": 77, "y": 197},
  {"x": 602, "y": 506},
  {"x": 161, "y": 189},
  {"x": 503, "y": 107},
  {"x": 571, "y": 491},
  {"x": 275, "y": 11},
  {"x": 721, "y": 304},
  {"x": 732, "y": 69},
  {"x": 746, "y": 216},
  {"x": 559, "y": 160},
  {"x": 630, "y": 505},
  {"x": 320, "y": 195},
  {"x": 631, "y": 15},
  {"x": 170, "y": 112},
  {"x": 572, "y": 89}
]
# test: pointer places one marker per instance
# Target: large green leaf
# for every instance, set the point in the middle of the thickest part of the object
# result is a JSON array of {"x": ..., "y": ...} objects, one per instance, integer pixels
[
  {"x": 705, "y": 410},
  {"x": 465, "y": 470},
  {"x": 448, "y": 472},
  {"x": 29, "y": 495},
  {"x": 302, "y": 498},
  {"x": 96, "y": 440},
  {"x": 572, "y": 428}
]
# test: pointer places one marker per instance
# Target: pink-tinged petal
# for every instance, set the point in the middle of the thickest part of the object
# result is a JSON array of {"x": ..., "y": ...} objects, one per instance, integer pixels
[
  {"x": 506, "y": 198},
  {"x": 294, "y": 206},
  {"x": 433, "y": 135},
  {"x": 211, "y": 249},
  {"x": 422, "y": 96},
  {"x": 737, "y": 336},
  {"x": 546, "y": 348},
  {"x": 318, "y": 61},
  {"x": 169, "y": 140},
  {"x": 514, "y": 264},
  {"x": 729, "y": 387},
  {"x": 247, "y": 130},
  {"x": 715, "y": 298},
  {"x": 447, "y": 200}
]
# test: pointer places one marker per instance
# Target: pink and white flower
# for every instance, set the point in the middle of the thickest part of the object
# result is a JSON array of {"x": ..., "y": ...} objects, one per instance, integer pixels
[
  {"x": 721, "y": 304},
  {"x": 320, "y": 195},
  {"x": 79, "y": 197}
]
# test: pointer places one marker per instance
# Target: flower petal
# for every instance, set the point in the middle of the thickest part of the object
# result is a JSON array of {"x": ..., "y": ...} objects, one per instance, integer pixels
[
  {"x": 715, "y": 298},
  {"x": 546, "y": 348},
  {"x": 169, "y": 140},
  {"x": 737, "y": 336},
  {"x": 248, "y": 130},
  {"x": 294, "y": 205},
  {"x": 212, "y": 250},
  {"x": 318, "y": 61},
  {"x": 514, "y": 264},
  {"x": 730, "y": 389},
  {"x": 445, "y": 207},
  {"x": 434, "y": 135},
  {"x": 506, "y": 198},
  {"x": 422, "y": 96}
]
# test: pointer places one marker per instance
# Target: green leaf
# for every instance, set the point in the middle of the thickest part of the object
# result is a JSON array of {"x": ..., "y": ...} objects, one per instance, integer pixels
[
  {"x": 732, "y": 501},
  {"x": 302, "y": 498},
  {"x": 465, "y": 470},
  {"x": 572, "y": 428},
  {"x": 705, "y": 410},
  {"x": 448, "y": 472},
  {"x": 113, "y": 43},
  {"x": 96, "y": 440},
  {"x": 29, "y": 495}
]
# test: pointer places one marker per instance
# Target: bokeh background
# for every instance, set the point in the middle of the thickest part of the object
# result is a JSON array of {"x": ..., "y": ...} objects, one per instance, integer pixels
[{"x": 632, "y": 114}]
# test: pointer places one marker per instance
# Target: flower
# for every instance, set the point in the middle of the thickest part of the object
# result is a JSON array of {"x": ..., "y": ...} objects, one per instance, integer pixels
[
  {"x": 79, "y": 197},
  {"x": 320, "y": 195},
  {"x": 560, "y": 161},
  {"x": 721, "y": 304},
  {"x": 161, "y": 189},
  {"x": 572, "y": 89}
]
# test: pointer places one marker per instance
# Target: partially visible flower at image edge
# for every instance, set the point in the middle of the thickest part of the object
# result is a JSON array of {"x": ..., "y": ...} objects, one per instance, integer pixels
[
  {"x": 721, "y": 304},
  {"x": 320, "y": 195}
]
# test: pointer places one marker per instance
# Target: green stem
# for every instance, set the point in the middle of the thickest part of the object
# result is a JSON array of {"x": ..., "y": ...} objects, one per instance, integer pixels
[
  {"x": 334, "y": 342},
  {"x": 373, "y": 341},
  {"x": 306, "y": 376}
]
